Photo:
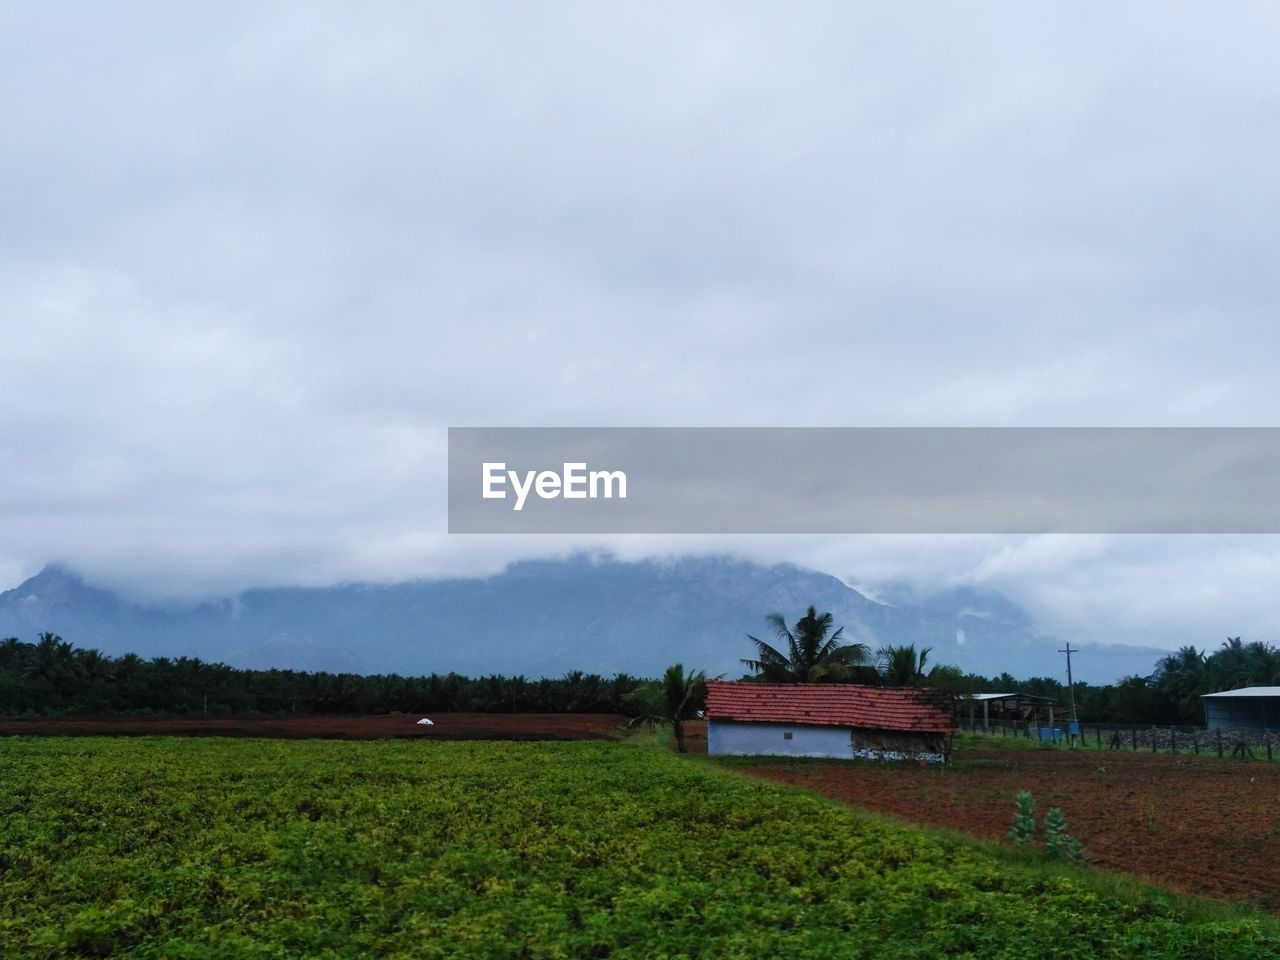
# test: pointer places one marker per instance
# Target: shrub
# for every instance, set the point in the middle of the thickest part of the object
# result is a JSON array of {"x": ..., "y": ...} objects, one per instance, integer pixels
[
  {"x": 1024, "y": 820},
  {"x": 1057, "y": 841}
]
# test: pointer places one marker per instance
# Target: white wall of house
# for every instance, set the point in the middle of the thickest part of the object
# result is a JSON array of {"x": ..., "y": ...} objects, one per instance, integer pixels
[
  {"x": 737, "y": 739},
  {"x": 731, "y": 738}
]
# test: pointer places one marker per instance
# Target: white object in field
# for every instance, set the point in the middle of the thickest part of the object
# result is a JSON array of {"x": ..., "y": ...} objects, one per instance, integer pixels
[{"x": 424, "y": 722}]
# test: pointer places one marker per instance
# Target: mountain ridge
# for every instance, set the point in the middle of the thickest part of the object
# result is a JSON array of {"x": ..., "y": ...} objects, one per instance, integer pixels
[{"x": 545, "y": 617}]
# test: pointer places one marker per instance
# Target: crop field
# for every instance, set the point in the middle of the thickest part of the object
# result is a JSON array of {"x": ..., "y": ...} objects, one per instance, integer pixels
[
  {"x": 445, "y": 726},
  {"x": 212, "y": 847},
  {"x": 1202, "y": 825}
]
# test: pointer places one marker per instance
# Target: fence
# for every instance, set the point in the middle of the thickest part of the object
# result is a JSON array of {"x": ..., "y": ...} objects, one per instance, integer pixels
[{"x": 1243, "y": 744}]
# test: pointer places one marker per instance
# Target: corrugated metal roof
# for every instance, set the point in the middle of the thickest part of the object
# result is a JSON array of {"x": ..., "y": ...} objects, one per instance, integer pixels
[
  {"x": 1006, "y": 696},
  {"x": 1246, "y": 692},
  {"x": 830, "y": 704}
]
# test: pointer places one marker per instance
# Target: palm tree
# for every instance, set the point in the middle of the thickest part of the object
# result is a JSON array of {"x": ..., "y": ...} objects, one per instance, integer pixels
[
  {"x": 1182, "y": 678},
  {"x": 11, "y": 649},
  {"x": 902, "y": 666},
  {"x": 811, "y": 655},
  {"x": 1229, "y": 665},
  {"x": 1264, "y": 663},
  {"x": 672, "y": 701},
  {"x": 52, "y": 659}
]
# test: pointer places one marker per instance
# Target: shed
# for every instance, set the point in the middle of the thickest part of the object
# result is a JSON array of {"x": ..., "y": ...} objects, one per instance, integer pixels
[
  {"x": 838, "y": 720},
  {"x": 1248, "y": 708},
  {"x": 1020, "y": 708}
]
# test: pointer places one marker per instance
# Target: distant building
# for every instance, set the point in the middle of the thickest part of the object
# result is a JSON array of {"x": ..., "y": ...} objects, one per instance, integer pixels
[
  {"x": 999, "y": 709},
  {"x": 1249, "y": 708},
  {"x": 837, "y": 720}
]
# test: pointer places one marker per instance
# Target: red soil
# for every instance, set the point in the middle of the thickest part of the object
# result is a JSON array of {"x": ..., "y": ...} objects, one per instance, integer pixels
[
  {"x": 446, "y": 726},
  {"x": 1201, "y": 825}
]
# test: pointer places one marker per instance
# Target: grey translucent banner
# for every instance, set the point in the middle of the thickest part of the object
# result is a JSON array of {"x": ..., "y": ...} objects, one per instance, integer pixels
[{"x": 864, "y": 480}]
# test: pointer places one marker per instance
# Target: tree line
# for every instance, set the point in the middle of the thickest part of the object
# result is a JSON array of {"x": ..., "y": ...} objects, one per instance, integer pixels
[
  {"x": 810, "y": 652},
  {"x": 53, "y": 677},
  {"x": 1169, "y": 697},
  {"x": 1183, "y": 677}
]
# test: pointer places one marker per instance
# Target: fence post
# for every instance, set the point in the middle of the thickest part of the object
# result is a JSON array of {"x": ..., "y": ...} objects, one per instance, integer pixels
[
  {"x": 1135, "y": 740},
  {"x": 1098, "y": 733},
  {"x": 1268, "y": 746},
  {"x": 1195, "y": 743},
  {"x": 1219, "y": 731},
  {"x": 1173, "y": 741},
  {"x": 1153, "y": 739}
]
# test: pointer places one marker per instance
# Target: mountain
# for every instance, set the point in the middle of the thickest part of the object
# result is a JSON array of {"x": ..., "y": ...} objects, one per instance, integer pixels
[{"x": 545, "y": 617}]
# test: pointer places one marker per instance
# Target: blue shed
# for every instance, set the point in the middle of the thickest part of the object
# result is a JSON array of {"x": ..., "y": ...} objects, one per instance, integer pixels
[{"x": 1249, "y": 708}]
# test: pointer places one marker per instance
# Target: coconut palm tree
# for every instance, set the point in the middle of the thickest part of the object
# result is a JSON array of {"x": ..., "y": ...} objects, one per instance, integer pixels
[
  {"x": 1182, "y": 677},
  {"x": 807, "y": 652},
  {"x": 902, "y": 666},
  {"x": 53, "y": 659},
  {"x": 670, "y": 702},
  {"x": 1264, "y": 663},
  {"x": 1229, "y": 665}
]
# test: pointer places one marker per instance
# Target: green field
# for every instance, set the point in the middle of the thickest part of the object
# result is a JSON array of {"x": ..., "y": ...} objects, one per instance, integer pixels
[{"x": 254, "y": 848}]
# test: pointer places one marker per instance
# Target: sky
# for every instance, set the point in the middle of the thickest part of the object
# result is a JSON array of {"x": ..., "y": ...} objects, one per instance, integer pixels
[{"x": 256, "y": 258}]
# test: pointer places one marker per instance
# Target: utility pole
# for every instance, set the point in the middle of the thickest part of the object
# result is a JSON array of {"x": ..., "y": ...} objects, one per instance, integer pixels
[{"x": 1071, "y": 687}]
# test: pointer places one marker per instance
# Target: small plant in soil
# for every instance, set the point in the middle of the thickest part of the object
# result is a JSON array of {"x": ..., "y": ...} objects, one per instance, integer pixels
[
  {"x": 1057, "y": 841},
  {"x": 1150, "y": 811},
  {"x": 1024, "y": 819}
]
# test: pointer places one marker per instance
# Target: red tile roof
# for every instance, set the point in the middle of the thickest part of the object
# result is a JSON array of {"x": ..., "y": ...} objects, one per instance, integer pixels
[{"x": 830, "y": 704}]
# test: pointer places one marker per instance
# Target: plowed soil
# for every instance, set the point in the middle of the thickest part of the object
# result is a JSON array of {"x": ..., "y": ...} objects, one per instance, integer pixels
[
  {"x": 1201, "y": 825},
  {"x": 445, "y": 726}
]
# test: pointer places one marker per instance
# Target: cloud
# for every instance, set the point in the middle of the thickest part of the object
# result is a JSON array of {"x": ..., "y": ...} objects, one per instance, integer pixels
[{"x": 257, "y": 260}]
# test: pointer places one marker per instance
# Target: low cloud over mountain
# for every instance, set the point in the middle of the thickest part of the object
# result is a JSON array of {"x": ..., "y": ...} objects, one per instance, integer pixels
[{"x": 545, "y": 617}]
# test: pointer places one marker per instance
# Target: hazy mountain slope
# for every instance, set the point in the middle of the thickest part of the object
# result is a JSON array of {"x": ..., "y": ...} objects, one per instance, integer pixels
[{"x": 548, "y": 616}]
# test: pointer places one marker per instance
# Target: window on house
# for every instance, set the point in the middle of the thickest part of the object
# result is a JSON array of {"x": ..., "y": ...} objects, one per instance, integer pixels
[{"x": 786, "y": 735}]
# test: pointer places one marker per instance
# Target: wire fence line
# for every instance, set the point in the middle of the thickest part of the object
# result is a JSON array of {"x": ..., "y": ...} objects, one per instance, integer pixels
[{"x": 1132, "y": 738}]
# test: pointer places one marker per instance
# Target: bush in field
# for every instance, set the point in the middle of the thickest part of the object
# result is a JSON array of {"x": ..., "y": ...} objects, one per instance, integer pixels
[
  {"x": 1024, "y": 819},
  {"x": 1057, "y": 841},
  {"x": 1059, "y": 844}
]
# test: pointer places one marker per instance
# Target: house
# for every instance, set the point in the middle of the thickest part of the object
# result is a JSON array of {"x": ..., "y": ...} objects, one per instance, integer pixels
[
  {"x": 838, "y": 720},
  {"x": 1248, "y": 708}
]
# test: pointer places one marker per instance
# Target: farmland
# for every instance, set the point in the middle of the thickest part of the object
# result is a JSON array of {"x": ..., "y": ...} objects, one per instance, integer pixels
[
  {"x": 216, "y": 847},
  {"x": 1197, "y": 824},
  {"x": 445, "y": 726}
]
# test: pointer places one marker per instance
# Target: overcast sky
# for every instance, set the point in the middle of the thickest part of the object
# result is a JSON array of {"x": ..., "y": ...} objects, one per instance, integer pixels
[{"x": 254, "y": 259}]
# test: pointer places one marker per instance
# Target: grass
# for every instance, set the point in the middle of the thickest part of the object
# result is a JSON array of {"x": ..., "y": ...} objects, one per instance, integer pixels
[
  {"x": 252, "y": 848},
  {"x": 988, "y": 741},
  {"x": 1208, "y": 746}
]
